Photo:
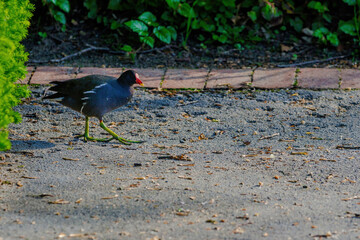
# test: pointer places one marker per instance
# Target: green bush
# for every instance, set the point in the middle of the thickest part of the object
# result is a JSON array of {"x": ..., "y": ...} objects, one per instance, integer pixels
[{"x": 14, "y": 20}]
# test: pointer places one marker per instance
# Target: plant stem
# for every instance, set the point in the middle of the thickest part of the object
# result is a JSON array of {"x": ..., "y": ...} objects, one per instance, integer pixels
[{"x": 188, "y": 30}]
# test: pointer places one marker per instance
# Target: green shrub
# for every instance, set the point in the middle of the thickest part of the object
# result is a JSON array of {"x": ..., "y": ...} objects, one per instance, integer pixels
[
  {"x": 14, "y": 18},
  {"x": 234, "y": 22},
  {"x": 57, "y": 9}
]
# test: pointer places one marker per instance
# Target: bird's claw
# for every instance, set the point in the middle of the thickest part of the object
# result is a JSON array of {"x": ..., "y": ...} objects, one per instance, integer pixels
[
  {"x": 120, "y": 139},
  {"x": 92, "y": 139}
]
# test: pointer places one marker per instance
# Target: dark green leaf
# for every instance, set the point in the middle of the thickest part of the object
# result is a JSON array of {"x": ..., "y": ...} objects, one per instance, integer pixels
[
  {"x": 163, "y": 34},
  {"x": 270, "y": 12},
  {"x": 92, "y": 7},
  {"x": 167, "y": 16},
  {"x": 207, "y": 27},
  {"x": 201, "y": 37},
  {"x": 126, "y": 48},
  {"x": 186, "y": 10},
  {"x": 105, "y": 20},
  {"x": 296, "y": 23},
  {"x": 222, "y": 38},
  {"x": 137, "y": 26},
  {"x": 63, "y": 5},
  {"x": 252, "y": 15},
  {"x": 115, "y": 25},
  {"x": 60, "y": 17},
  {"x": 327, "y": 17},
  {"x": 229, "y": 3},
  {"x": 173, "y": 3},
  {"x": 321, "y": 33},
  {"x": 99, "y": 19},
  {"x": 63, "y": 28},
  {"x": 42, "y": 34},
  {"x": 148, "y": 18},
  {"x": 350, "y": 2},
  {"x": 114, "y": 5},
  {"x": 333, "y": 39},
  {"x": 173, "y": 32},
  {"x": 195, "y": 24},
  {"x": 347, "y": 27},
  {"x": 238, "y": 46},
  {"x": 317, "y": 6},
  {"x": 148, "y": 40},
  {"x": 143, "y": 33}
]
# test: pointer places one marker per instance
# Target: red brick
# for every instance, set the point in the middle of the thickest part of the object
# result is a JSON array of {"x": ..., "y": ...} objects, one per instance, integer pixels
[
  {"x": 185, "y": 78},
  {"x": 350, "y": 78},
  {"x": 274, "y": 78},
  {"x": 150, "y": 77},
  {"x": 44, "y": 75},
  {"x": 318, "y": 78},
  {"x": 114, "y": 72},
  {"x": 229, "y": 78}
]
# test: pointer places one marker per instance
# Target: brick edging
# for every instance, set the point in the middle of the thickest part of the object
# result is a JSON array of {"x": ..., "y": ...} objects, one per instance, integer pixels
[{"x": 277, "y": 78}]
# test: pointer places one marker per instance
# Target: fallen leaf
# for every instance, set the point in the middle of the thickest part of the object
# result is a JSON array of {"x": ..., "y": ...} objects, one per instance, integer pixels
[
  {"x": 211, "y": 221},
  {"x": 182, "y": 157},
  {"x": 185, "y": 177},
  {"x": 29, "y": 177},
  {"x": 61, "y": 235},
  {"x": 239, "y": 230},
  {"x": 70, "y": 159},
  {"x": 285, "y": 48},
  {"x": 59, "y": 201},
  {"x": 77, "y": 235},
  {"x": 139, "y": 178},
  {"x": 328, "y": 160},
  {"x": 202, "y": 137},
  {"x": 299, "y": 153},
  {"x": 186, "y": 213},
  {"x": 186, "y": 165},
  {"x": 350, "y": 198},
  {"x": 110, "y": 197}
]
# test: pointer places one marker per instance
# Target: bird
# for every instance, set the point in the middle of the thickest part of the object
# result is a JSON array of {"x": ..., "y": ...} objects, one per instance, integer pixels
[{"x": 96, "y": 95}]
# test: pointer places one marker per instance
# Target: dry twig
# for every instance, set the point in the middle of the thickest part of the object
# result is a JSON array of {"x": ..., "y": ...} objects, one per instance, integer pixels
[{"x": 313, "y": 61}]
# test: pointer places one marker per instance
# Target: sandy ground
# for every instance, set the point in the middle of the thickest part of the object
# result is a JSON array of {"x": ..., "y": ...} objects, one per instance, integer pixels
[{"x": 215, "y": 165}]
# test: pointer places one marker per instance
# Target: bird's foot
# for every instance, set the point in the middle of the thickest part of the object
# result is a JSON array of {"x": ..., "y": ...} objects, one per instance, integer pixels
[
  {"x": 126, "y": 141},
  {"x": 88, "y": 138},
  {"x": 115, "y": 136}
]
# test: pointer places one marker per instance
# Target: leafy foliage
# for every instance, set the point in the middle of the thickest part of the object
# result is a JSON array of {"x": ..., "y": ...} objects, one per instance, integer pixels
[
  {"x": 222, "y": 21},
  {"x": 13, "y": 28},
  {"x": 57, "y": 9}
]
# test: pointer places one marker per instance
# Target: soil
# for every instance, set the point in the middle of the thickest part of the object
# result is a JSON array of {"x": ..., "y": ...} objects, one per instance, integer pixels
[{"x": 268, "y": 54}]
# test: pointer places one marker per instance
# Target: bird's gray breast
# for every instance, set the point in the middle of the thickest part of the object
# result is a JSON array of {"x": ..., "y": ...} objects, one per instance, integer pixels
[{"x": 105, "y": 98}]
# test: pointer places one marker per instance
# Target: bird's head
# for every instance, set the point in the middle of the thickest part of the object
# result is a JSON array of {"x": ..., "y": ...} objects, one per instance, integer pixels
[{"x": 130, "y": 77}]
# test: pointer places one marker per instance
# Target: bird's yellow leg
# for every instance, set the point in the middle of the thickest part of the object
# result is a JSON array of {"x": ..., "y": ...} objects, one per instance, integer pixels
[
  {"x": 88, "y": 138},
  {"x": 115, "y": 136}
]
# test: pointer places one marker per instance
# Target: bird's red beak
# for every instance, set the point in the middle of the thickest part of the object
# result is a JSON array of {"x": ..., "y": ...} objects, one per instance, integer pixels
[{"x": 138, "y": 81}]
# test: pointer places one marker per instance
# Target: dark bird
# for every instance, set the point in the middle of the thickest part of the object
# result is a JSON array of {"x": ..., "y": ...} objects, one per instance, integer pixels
[{"x": 96, "y": 95}]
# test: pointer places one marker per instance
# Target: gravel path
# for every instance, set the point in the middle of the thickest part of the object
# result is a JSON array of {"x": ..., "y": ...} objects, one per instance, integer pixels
[{"x": 215, "y": 165}]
